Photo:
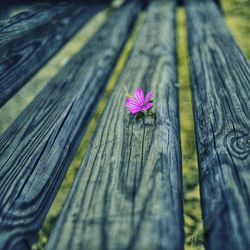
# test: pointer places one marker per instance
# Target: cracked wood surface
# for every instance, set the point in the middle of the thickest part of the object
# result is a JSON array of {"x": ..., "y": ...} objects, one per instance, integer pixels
[
  {"x": 221, "y": 98},
  {"x": 29, "y": 39},
  {"x": 128, "y": 191},
  {"x": 36, "y": 150}
]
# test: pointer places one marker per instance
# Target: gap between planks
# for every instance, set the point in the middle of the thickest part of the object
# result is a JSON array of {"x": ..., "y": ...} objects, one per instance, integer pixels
[
  {"x": 10, "y": 111},
  {"x": 191, "y": 190},
  {"x": 69, "y": 178}
]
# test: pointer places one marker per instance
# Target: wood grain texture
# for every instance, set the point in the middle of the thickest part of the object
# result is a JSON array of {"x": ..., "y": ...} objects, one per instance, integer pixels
[
  {"x": 221, "y": 99},
  {"x": 37, "y": 149},
  {"x": 128, "y": 191},
  {"x": 29, "y": 39}
]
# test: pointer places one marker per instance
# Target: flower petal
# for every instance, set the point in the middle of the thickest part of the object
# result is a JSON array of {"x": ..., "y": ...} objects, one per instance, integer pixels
[
  {"x": 128, "y": 105},
  {"x": 139, "y": 96},
  {"x": 148, "y": 106},
  {"x": 149, "y": 95},
  {"x": 134, "y": 110},
  {"x": 131, "y": 101}
]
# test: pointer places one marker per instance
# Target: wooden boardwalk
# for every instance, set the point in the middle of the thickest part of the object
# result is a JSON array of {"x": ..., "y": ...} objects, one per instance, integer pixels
[{"x": 128, "y": 191}]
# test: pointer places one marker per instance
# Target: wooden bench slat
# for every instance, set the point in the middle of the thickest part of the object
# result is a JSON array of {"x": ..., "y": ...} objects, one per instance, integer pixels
[
  {"x": 37, "y": 149},
  {"x": 30, "y": 39},
  {"x": 221, "y": 99},
  {"x": 128, "y": 191}
]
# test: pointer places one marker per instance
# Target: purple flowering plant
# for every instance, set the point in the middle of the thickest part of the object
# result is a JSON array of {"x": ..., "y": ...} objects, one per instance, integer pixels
[{"x": 139, "y": 105}]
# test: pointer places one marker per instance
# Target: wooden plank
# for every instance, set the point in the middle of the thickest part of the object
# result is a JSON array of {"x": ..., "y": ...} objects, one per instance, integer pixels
[
  {"x": 128, "y": 191},
  {"x": 37, "y": 149},
  {"x": 29, "y": 39},
  {"x": 221, "y": 99}
]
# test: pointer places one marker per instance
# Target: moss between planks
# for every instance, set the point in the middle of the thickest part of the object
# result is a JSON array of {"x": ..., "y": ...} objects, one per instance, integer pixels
[{"x": 192, "y": 210}]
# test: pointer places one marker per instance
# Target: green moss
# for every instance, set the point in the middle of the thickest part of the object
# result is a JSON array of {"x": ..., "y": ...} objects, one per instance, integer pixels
[
  {"x": 237, "y": 15},
  {"x": 192, "y": 210}
]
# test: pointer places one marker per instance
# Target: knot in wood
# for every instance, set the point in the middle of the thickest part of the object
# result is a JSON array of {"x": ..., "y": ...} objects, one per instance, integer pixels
[{"x": 238, "y": 144}]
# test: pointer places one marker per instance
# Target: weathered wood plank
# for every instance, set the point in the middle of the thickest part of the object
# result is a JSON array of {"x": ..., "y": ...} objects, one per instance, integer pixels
[
  {"x": 221, "y": 99},
  {"x": 36, "y": 150},
  {"x": 29, "y": 39},
  {"x": 127, "y": 193}
]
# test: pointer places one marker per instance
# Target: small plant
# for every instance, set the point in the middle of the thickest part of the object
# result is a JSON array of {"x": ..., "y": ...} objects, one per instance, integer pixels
[{"x": 140, "y": 106}]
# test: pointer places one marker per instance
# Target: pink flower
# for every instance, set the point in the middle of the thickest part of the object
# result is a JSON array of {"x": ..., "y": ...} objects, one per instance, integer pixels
[{"x": 139, "y": 103}]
